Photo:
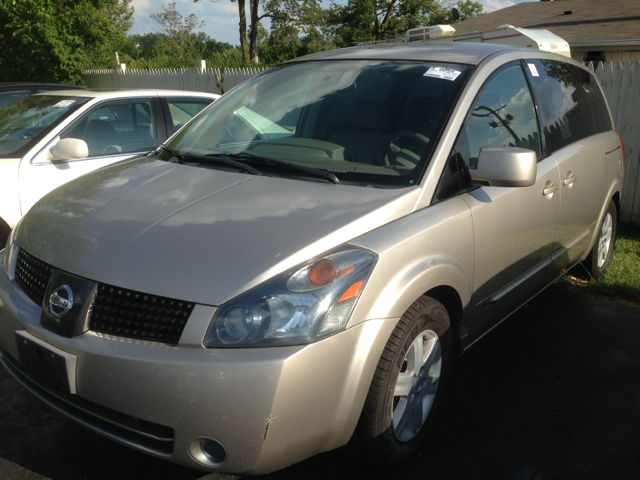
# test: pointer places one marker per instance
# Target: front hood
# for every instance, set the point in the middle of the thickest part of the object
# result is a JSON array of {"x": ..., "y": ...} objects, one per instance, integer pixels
[{"x": 197, "y": 234}]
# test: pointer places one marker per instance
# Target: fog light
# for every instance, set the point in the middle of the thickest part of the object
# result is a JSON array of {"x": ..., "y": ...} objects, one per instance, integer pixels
[
  {"x": 207, "y": 451},
  {"x": 214, "y": 450}
]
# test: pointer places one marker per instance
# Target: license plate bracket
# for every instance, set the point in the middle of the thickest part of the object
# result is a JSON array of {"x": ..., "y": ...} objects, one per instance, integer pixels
[{"x": 47, "y": 362}]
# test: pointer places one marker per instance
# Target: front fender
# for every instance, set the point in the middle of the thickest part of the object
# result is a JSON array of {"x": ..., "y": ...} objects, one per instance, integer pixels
[{"x": 430, "y": 248}]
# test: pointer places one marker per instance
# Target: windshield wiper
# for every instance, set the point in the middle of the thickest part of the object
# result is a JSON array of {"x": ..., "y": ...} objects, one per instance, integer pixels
[
  {"x": 250, "y": 156},
  {"x": 211, "y": 159}
]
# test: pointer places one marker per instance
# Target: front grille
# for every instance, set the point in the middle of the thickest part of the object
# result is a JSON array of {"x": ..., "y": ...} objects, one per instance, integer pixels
[
  {"x": 32, "y": 275},
  {"x": 141, "y": 434},
  {"x": 116, "y": 311},
  {"x": 123, "y": 312}
]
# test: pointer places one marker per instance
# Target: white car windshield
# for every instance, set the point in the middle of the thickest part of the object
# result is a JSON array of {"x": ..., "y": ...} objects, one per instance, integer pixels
[
  {"x": 27, "y": 121},
  {"x": 368, "y": 122}
]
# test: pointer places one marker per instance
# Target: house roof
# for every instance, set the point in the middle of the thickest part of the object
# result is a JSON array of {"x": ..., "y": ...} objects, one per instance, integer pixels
[{"x": 590, "y": 20}]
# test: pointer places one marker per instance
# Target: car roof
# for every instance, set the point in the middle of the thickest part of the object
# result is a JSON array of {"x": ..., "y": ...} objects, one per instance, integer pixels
[
  {"x": 127, "y": 92},
  {"x": 443, "y": 51}
]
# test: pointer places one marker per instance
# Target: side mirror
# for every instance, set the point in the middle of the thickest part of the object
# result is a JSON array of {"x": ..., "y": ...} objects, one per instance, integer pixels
[
  {"x": 69, "y": 149},
  {"x": 505, "y": 167}
]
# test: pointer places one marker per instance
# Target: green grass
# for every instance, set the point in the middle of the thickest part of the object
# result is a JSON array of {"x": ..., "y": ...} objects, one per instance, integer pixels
[{"x": 622, "y": 277}]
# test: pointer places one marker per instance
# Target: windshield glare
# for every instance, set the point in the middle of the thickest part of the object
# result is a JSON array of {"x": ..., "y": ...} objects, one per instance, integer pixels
[
  {"x": 27, "y": 121},
  {"x": 365, "y": 121}
]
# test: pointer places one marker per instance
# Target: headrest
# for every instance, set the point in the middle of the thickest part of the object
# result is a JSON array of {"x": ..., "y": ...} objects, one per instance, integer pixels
[
  {"x": 146, "y": 129},
  {"x": 369, "y": 116},
  {"x": 99, "y": 127}
]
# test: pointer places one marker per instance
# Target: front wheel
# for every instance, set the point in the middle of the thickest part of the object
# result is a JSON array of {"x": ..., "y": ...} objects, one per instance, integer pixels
[
  {"x": 407, "y": 388},
  {"x": 600, "y": 256}
]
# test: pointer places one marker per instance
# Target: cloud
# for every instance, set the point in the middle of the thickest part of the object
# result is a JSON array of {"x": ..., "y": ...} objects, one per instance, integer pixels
[
  {"x": 493, "y": 5},
  {"x": 220, "y": 18}
]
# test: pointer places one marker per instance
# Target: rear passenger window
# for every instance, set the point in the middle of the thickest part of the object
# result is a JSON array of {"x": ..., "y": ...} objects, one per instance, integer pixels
[
  {"x": 563, "y": 102},
  {"x": 184, "y": 109},
  {"x": 503, "y": 115},
  {"x": 598, "y": 104}
]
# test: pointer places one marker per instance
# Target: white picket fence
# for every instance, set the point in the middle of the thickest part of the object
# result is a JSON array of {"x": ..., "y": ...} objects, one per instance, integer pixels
[
  {"x": 193, "y": 79},
  {"x": 620, "y": 82},
  {"x": 621, "y": 85}
]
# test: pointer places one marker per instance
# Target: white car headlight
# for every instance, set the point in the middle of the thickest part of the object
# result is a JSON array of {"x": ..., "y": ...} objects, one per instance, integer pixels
[{"x": 299, "y": 306}]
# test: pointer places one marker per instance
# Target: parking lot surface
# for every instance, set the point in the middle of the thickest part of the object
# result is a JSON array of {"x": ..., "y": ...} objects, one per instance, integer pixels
[{"x": 552, "y": 393}]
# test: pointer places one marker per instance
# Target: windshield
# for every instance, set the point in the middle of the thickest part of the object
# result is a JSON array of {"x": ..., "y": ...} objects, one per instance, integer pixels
[
  {"x": 25, "y": 122},
  {"x": 371, "y": 122}
]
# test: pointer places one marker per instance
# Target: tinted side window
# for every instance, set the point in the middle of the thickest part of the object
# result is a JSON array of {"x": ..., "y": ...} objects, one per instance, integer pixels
[
  {"x": 503, "y": 115},
  {"x": 563, "y": 103},
  {"x": 596, "y": 100}
]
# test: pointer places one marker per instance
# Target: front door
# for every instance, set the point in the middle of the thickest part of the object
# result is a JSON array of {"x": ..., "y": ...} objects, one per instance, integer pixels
[
  {"x": 113, "y": 130},
  {"x": 514, "y": 228}
]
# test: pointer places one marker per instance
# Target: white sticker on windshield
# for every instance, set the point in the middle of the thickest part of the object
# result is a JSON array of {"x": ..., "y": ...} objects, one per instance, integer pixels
[
  {"x": 534, "y": 70},
  {"x": 64, "y": 103},
  {"x": 441, "y": 72}
]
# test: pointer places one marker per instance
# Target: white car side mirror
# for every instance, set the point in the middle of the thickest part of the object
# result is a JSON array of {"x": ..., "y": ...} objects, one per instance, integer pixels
[{"x": 69, "y": 149}]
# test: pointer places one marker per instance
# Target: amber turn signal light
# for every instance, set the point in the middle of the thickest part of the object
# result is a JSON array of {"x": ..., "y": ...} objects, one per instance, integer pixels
[
  {"x": 351, "y": 292},
  {"x": 323, "y": 273}
]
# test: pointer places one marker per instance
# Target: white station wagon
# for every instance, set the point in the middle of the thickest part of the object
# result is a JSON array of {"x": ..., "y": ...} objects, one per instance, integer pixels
[{"x": 50, "y": 138}]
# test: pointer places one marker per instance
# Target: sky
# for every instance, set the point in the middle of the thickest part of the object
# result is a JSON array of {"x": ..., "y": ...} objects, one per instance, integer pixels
[{"x": 221, "y": 17}]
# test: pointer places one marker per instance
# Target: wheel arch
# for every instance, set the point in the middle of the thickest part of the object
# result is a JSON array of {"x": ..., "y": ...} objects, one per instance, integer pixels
[
  {"x": 449, "y": 297},
  {"x": 441, "y": 278}
]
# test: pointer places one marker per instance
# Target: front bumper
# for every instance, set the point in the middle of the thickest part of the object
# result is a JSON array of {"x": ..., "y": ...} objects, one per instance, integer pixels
[{"x": 268, "y": 407}]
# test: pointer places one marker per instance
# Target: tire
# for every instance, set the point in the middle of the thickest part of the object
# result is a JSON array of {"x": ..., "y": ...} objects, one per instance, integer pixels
[
  {"x": 403, "y": 400},
  {"x": 598, "y": 260}
]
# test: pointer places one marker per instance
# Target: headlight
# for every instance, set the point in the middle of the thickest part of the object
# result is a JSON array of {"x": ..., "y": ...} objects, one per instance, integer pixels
[
  {"x": 299, "y": 306},
  {"x": 8, "y": 251}
]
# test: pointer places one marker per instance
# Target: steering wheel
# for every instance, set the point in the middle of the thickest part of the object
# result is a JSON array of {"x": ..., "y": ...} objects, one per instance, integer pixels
[{"x": 402, "y": 147}]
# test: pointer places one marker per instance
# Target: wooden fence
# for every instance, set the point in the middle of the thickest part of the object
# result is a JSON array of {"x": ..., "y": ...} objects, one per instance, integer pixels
[
  {"x": 194, "y": 79},
  {"x": 620, "y": 82},
  {"x": 235, "y": 76},
  {"x": 621, "y": 85}
]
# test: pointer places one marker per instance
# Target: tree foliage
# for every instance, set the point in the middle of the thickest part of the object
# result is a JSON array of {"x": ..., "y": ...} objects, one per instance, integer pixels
[
  {"x": 55, "y": 40},
  {"x": 367, "y": 20}
]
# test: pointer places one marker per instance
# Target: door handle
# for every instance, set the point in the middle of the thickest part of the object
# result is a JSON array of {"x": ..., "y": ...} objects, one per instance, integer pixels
[
  {"x": 569, "y": 180},
  {"x": 550, "y": 189}
]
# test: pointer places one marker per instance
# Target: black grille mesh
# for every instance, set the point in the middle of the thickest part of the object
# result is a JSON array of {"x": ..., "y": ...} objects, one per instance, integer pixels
[
  {"x": 123, "y": 312},
  {"x": 32, "y": 275}
]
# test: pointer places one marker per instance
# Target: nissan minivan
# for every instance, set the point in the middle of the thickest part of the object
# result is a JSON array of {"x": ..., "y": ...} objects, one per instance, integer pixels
[{"x": 298, "y": 267}]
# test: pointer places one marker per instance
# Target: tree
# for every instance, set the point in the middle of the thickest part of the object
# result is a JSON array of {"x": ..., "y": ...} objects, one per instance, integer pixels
[
  {"x": 176, "y": 28},
  {"x": 287, "y": 18},
  {"x": 366, "y": 20},
  {"x": 243, "y": 30},
  {"x": 55, "y": 40}
]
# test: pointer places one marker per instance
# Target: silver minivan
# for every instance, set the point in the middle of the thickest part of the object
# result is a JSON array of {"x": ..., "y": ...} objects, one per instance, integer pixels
[{"x": 297, "y": 268}]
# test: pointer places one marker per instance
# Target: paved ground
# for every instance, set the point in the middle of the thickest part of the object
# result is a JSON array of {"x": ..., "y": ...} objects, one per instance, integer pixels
[{"x": 553, "y": 393}]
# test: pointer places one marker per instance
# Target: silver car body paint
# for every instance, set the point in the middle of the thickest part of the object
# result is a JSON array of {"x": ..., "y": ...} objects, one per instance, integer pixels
[{"x": 485, "y": 252}]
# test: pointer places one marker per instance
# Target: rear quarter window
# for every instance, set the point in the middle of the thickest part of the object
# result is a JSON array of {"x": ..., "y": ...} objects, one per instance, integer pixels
[
  {"x": 601, "y": 115},
  {"x": 564, "y": 103}
]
